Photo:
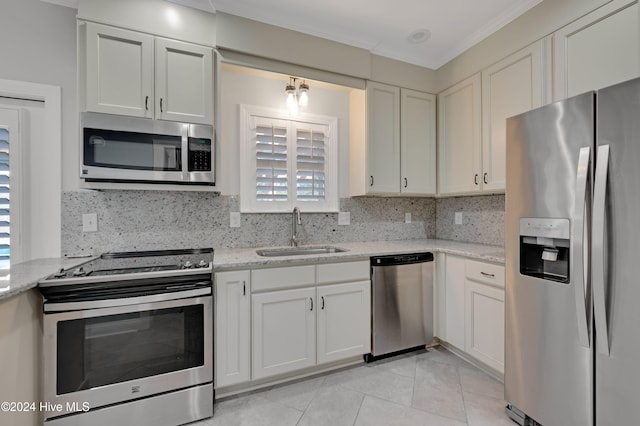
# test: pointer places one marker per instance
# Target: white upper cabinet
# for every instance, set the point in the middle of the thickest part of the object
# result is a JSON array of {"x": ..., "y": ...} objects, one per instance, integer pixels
[
  {"x": 598, "y": 50},
  {"x": 119, "y": 71},
  {"x": 383, "y": 138},
  {"x": 509, "y": 87},
  {"x": 397, "y": 155},
  {"x": 184, "y": 82},
  {"x": 417, "y": 143},
  {"x": 472, "y": 121},
  {"x": 134, "y": 74},
  {"x": 459, "y": 137}
]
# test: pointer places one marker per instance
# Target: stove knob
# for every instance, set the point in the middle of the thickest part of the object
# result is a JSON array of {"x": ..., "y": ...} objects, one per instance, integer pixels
[
  {"x": 202, "y": 264},
  {"x": 78, "y": 272},
  {"x": 187, "y": 265}
]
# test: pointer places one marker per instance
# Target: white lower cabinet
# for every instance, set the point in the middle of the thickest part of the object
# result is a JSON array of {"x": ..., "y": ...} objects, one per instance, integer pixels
[
  {"x": 454, "y": 301},
  {"x": 474, "y": 309},
  {"x": 343, "y": 321},
  {"x": 278, "y": 320},
  {"x": 484, "y": 312},
  {"x": 232, "y": 328},
  {"x": 485, "y": 324},
  {"x": 283, "y": 331}
]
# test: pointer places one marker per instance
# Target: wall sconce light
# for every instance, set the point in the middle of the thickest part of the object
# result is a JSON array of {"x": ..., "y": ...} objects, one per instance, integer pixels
[{"x": 296, "y": 96}]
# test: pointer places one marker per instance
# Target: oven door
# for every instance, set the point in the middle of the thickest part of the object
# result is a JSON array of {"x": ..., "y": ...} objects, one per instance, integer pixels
[{"x": 97, "y": 357}]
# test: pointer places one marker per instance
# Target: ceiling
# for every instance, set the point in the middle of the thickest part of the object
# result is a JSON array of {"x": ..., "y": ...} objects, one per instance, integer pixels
[{"x": 428, "y": 33}]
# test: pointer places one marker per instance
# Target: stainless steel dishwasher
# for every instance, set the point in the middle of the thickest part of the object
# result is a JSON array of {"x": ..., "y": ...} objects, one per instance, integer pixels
[{"x": 401, "y": 303}]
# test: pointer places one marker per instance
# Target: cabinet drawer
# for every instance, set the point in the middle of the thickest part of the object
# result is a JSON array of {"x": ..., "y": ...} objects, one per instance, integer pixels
[
  {"x": 486, "y": 273},
  {"x": 339, "y": 272},
  {"x": 281, "y": 278}
]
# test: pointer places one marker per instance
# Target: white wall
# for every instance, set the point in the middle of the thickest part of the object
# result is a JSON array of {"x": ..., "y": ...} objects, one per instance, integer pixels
[
  {"x": 246, "y": 86},
  {"x": 39, "y": 46}
]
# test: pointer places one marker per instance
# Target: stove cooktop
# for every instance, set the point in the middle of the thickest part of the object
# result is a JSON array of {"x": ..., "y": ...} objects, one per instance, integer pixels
[{"x": 132, "y": 263}]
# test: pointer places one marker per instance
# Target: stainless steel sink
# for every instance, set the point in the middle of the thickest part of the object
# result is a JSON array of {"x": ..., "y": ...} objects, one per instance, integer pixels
[{"x": 298, "y": 251}]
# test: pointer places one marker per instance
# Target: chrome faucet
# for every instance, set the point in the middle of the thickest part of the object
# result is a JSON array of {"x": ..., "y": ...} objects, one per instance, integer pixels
[{"x": 297, "y": 220}]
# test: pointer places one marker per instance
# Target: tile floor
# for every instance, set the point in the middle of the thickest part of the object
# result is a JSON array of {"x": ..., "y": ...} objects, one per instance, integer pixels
[{"x": 431, "y": 388}]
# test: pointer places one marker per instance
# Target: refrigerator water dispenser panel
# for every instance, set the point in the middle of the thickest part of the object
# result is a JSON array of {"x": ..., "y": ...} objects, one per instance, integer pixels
[{"x": 544, "y": 248}]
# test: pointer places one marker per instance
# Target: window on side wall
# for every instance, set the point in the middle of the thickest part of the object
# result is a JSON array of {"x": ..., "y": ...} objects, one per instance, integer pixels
[{"x": 287, "y": 162}]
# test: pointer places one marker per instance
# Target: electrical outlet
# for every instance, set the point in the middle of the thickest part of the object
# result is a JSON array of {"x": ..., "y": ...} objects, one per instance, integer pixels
[
  {"x": 344, "y": 218},
  {"x": 234, "y": 220},
  {"x": 407, "y": 218},
  {"x": 90, "y": 222},
  {"x": 458, "y": 218}
]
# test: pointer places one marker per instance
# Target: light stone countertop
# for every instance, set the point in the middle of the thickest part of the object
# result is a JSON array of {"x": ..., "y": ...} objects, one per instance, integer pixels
[
  {"x": 247, "y": 258},
  {"x": 25, "y": 276}
]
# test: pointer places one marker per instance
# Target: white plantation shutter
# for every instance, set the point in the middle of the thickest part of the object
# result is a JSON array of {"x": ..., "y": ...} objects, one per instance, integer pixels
[
  {"x": 310, "y": 164},
  {"x": 287, "y": 163},
  {"x": 4, "y": 200},
  {"x": 271, "y": 163}
]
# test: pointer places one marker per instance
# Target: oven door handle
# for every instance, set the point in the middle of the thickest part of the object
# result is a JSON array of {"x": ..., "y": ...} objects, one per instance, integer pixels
[{"x": 125, "y": 301}]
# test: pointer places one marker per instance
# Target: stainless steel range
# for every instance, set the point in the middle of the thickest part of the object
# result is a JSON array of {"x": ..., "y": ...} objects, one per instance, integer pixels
[{"x": 128, "y": 339}]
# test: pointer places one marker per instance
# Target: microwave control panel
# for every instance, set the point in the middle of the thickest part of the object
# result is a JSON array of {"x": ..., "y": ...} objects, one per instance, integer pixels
[{"x": 199, "y": 155}]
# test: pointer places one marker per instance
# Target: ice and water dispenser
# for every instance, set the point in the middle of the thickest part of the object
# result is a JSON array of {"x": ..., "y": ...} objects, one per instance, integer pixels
[{"x": 544, "y": 248}]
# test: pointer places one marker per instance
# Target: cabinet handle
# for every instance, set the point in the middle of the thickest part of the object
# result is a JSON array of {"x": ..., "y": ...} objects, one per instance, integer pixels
[
  {"x": 371, "y": 180},
  {"x": 311, "y": 298},
  {"x": 146, "y": 103},
  {"x": 485, "y": 178},
  {"x": 322, "y": 297},
  {"x": 161, "y": 105},
  {"x": 486, "y": 274},
  {"x": 475, "y": 179},
  {"x": 244, "y": 288},
  {"x": 406, "y": 182}
]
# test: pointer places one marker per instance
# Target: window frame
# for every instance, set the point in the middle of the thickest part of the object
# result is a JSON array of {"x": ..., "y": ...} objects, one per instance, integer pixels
[{"x": 249, "y": 115}]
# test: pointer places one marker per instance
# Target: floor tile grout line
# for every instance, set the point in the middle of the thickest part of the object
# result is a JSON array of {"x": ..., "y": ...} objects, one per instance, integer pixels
[
  {"x": 355, "y": 419},
  {"x": 464, "y": 402}
]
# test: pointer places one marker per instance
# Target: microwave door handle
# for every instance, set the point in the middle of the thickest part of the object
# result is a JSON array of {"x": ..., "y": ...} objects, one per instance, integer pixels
[
  {"x": 577, "y": 245},
  {"x": 186, "y": 132},
  {"x": 598, "y": 262}
]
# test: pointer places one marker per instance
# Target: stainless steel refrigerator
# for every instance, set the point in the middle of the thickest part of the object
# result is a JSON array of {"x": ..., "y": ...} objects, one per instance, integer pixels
[{"x": 572, "y": 249}]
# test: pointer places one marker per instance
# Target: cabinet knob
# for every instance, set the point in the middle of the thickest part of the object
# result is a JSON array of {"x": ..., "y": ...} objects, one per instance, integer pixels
[
  {"x": 371, "y": 180},
  {"x": 485, "y": 178},
  {"x": 311, "y": 298},
  {"x": 486, "y": 274},
  {"x": 475, "y": 179},
  {"x": 322, "y": 298},
  {"x": 146, "y": 103},
  {"x": 161, "y": 105},
  {"x": 406, "y": 182},
  {"x": 244, "y": 288}
]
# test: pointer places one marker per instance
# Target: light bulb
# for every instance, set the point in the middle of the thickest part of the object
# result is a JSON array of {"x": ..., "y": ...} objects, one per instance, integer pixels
[{"x": 304, "y": 97}]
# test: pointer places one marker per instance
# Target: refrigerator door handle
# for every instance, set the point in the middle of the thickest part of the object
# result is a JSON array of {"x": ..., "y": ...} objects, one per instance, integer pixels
[
  {"x": 598, "y": 262},
  {"x": 577, "y": 245}
]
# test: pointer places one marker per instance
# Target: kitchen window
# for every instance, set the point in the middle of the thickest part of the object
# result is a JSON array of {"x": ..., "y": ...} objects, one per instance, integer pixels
[{"x": 287, "y": 162}]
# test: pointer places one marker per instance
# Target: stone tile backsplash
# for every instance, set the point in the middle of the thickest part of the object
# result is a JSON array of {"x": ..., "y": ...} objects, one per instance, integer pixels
[
  {"x": 150, "y": 220},
  {"x": 482, "y": 219}
]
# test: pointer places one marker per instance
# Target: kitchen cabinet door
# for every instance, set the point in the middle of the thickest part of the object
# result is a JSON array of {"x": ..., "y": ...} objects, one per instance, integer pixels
[
  {"x": 509, "y": 87},
  {"x": 184, "y": 82},
  {"x": 344, "y": 321},
  {"x": 119, "y": 71},
  {"x": 383, "y": 138},
  {"x": 454, "y": 301},
  {"x": 417, "y": 143},
  {"x": 598, "y": 50},
  {"x": 484, "y": 314},
  {"x": 459, "y": 138},
  {"x": 232, "y": 328},
  {"x": 283, "y": 331}
]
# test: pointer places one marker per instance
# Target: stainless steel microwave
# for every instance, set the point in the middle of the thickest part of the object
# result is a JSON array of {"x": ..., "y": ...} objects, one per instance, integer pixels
[{"x": 127, "y": 149}]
